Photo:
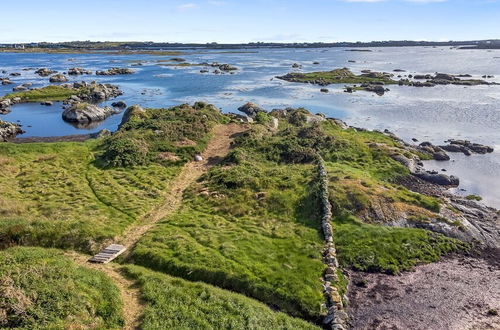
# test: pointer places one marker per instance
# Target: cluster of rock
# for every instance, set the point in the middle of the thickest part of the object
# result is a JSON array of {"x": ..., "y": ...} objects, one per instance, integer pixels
[
  {"x": 466, "y": 147},
  {"x": 416, "y": 168},
  {"x": 45, "y": 72},
  {"x": 82, "y": 112},
  {"x": 58, "y": 78},
  {"x": 251, "y": 109},
  {"x": 114, "y": 72},
  {"x": 93, "y": 92},
  {"x": 22, "y": 87},
  {"x": 6, "y": 81},
  {"x": 219, "y": 68},
  {"x": 9, "y": 130},
  {"x": 78, "y": 71},
  {"x": 5, "y": 104},
  {"x": 336, "y": 317}
]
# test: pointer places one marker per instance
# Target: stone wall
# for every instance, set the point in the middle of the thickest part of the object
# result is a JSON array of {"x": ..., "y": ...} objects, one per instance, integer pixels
[{"x": 336, "y": 318}]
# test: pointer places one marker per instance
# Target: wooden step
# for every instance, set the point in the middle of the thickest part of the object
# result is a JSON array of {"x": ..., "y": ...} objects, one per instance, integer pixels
[{"x": 108, "y": 254}]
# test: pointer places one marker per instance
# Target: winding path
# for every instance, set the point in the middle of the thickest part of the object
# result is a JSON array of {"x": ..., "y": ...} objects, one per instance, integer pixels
[{"x": 218, "y": 147}]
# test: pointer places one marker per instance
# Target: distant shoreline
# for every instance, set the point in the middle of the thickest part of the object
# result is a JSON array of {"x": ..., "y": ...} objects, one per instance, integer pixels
[{"x": 152, "y": 48}]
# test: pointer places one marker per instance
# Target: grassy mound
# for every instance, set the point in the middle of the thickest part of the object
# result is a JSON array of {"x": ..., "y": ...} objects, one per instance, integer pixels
[
  {"x": 49, "y": 93},
  {"x": 42, "y": 289},
  {"x": 161, "y": 135},
  {"x": 173, "y": 303},
  {"x": 338, "y": 76},
  {"x": 391, "y": 250}
]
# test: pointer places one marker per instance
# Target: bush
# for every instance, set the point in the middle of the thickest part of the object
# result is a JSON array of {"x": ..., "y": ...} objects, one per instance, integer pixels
[{"x": 125, "y": 152}]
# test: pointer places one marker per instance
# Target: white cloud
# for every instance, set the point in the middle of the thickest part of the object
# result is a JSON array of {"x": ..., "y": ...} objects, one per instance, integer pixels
[{"x": 187, "y": 6}]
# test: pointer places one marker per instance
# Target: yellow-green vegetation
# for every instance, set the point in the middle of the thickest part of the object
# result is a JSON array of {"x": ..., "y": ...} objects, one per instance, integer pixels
[
  {"x": 53, "y": 195},
  {"x": 48, "y": 93},
  {"x": 338, "y": 76},
  {"x": 161, "y": 135},
  {"x": 43, "y": 289},
  {"x": 173, "y": 303},
  {"x": 374, "y": 248}
]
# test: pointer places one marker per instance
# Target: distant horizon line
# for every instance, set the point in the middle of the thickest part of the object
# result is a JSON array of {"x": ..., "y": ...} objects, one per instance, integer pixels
[{"x": 247, "y": 43}]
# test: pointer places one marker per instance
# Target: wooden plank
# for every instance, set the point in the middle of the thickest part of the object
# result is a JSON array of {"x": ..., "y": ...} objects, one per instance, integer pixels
[{"x": 108, "y": 254}]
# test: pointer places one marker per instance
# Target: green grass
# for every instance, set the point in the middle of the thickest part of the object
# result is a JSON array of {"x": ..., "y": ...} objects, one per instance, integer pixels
[
  {"x": 265, "y": 245},
  {"x": 42, "y": 289},
  {"x": 173, "y": 303},
  {"x": 54, "y": 196},
  {"x": 391, "y": 250},
  {"x": 49, "y": 93},
  {"x": 337, "y": 76}
]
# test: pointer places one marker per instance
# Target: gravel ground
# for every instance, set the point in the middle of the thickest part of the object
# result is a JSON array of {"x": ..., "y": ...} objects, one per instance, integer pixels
[{"x": 456, "y": 293}]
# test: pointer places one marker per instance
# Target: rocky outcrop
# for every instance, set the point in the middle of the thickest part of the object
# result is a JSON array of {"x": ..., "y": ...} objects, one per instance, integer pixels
[
  {"x": 336, "y": 317},
  {"x": 115, "y": 71},
  {"x": 44, "y": 72},
  {"x": 9, "y": 131},
  {"x": 119, "y": 104},
  {"x": 78, "y": 71},
  {"x": 58, "y": 78},
  {"x": 6, "y": 81},
  {"x": 93, "y": 92},
  {"x": 5, "y": 106},
  {"x": 251, "y": 109},
  {"x": 416, "y": 168},
  {"x": 86, "y": 113},
  {"x": 466, "y": 147},
  {"x": 437, "y": 153}
]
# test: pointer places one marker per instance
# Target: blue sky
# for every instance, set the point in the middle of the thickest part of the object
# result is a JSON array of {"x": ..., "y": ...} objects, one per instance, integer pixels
[{"x": 249, "y": 20}]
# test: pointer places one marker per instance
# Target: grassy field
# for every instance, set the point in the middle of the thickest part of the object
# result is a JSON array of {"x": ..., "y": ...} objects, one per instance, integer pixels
[
  {"x": 173, "y": 303},
  {"x": 42, "y": 289}
]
